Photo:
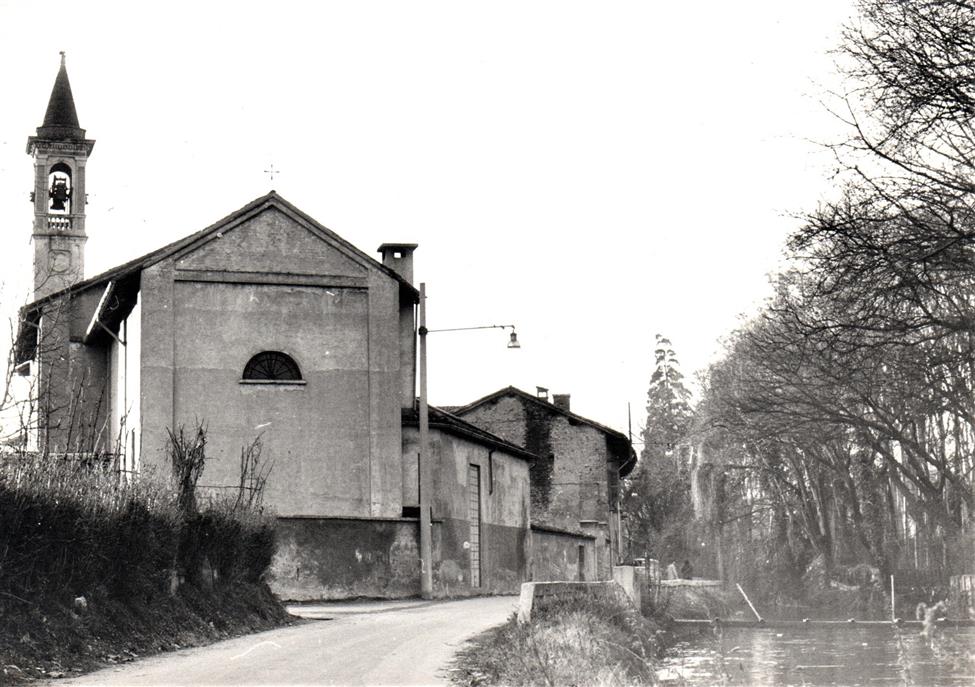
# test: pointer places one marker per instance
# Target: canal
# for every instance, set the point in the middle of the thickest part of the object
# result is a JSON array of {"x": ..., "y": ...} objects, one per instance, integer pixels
[{"x": 881, "y": 655}]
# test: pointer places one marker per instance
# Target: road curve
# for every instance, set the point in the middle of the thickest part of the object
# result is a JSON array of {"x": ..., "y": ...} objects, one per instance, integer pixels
[{"x": 369, "y": 644}]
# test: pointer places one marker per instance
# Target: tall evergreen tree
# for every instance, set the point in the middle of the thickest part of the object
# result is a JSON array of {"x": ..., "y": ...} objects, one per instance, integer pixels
[
  {"x": 668, "y": 407},
  {"x": 656, "y": 501}
]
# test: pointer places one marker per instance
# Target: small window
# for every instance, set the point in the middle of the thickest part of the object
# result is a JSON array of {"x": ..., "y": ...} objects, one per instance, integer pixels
[{"x": 272, "y": 366}]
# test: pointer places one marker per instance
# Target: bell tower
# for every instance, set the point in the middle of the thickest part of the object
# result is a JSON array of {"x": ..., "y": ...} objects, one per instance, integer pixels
[{"x": 60, "y": 151}]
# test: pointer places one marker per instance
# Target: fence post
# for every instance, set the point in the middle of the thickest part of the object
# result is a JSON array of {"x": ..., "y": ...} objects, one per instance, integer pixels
[{"x": 893, "y": 614}]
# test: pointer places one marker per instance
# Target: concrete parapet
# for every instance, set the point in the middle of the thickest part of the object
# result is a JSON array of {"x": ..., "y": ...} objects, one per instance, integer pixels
[
  {"x": 634, "y": 581},
  {"x": 536, "y": 595},
  {"x": 690, "y": 583}
]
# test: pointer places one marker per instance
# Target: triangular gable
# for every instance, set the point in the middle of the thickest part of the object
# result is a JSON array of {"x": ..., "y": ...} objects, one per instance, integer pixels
[
  {"x": 617, "y": 440},
  {"x": 29, "y": 314},
  {"x": 272, "y": 241},
  {"x": 254, "y": 207}
]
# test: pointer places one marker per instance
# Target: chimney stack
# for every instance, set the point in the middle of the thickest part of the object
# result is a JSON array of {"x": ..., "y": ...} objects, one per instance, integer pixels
[
  {"x": 399, "y": 258},
  {"x": 561, "y": 401}
]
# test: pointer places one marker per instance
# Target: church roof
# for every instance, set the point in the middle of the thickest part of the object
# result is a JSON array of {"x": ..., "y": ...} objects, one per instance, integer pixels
[
  {"x": 130, "y": 272},
  {"x": 61, "y": 118},
  {"x": 253, "y": 208},
  {"x": 619, "y": 442}
]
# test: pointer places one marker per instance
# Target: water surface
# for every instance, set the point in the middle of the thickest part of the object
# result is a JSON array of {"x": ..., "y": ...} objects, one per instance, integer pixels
[{"x": 851, "y": 656}]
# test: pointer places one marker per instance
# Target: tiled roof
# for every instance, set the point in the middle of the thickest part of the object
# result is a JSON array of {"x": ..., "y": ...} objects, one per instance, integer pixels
[
  {"x": 617, "y": 438},
  {"x": 450, "y": 423}
]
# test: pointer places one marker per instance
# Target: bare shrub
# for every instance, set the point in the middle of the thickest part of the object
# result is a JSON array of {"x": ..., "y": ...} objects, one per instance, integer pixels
[
  {"x": 232, "y": 533},
  {"x": 188, "y": 457},
  {"x": 71, "y": 524}
]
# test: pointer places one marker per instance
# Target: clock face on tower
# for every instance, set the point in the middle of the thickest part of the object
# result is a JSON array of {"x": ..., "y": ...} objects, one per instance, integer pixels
[{"x": 59, "y": 261}]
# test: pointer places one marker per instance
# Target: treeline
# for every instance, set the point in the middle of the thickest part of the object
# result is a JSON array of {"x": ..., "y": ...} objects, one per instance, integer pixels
[{"x": 840, "y": 425}]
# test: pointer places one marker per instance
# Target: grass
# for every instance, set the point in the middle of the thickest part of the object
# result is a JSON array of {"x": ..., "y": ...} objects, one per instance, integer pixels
[
  {"x": 596, "y": 641},
  {"x": 48, "y": 636},
  {"x": 98, "y": 569}
]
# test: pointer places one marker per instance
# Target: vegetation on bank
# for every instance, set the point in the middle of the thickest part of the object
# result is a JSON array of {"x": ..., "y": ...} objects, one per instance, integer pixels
[
  {"x": 97, "y": 567},
  {"x": 593, "y": 641},
  {"x": 839, "y": 429},
  {"x": 834, "y": 440}
]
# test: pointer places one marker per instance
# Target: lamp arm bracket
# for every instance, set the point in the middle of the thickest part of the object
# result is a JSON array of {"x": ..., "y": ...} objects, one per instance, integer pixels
[{"x": 424, "y": 330}]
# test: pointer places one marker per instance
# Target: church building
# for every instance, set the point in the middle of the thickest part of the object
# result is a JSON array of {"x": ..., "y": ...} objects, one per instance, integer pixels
[{"x": 266, "y": 323}]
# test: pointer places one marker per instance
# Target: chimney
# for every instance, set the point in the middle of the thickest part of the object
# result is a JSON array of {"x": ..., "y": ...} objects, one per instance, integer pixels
[
  {"x": 541, "y": 392},
  {"x": 399, "y": 258},
  {"x": 561, "y": 401}
]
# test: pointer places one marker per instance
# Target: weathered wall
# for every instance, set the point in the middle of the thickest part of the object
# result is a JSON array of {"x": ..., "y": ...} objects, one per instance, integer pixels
[
  {"x": 317, "y": 433},
  {"x": 504, "y": 494},
  {"x": 270, "y": 283},
  {"x": 604, "y": 559},
  {"x": 335, "y": 558},
  {"x": 74, "y": 390},
  {"x": 555, "y": 556},
  {"x": 579, "y": 489},
  {"x": 571, "y": 488}
]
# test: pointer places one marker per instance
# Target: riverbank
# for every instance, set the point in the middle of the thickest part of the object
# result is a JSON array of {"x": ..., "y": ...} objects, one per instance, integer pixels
[{"x": 579, "y": 642}]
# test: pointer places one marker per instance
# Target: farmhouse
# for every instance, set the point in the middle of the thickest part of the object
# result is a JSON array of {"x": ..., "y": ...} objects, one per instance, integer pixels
[
  {"x": 575, "y": 482},
  {"x": 266, "y": 323}
]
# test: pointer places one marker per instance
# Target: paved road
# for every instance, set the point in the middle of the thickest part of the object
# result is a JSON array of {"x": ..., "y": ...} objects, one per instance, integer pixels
[{"x": 372, "y": 643}]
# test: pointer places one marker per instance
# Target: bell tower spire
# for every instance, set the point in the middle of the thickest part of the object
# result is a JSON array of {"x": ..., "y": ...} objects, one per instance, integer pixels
[{"x": 60, "y": 151}]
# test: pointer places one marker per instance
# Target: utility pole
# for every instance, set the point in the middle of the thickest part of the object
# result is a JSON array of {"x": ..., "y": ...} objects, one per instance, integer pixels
[
  {"x": 426, "y": 549},
  {"x": 426, "y": 459}
]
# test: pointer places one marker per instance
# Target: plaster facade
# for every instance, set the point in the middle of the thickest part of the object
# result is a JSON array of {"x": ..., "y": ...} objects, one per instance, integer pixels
[
  {"x": 265, "y": 279},
  {"x": 336, "y": 557},
  {"x": 502, "y": 492},
  {"x": 334, "y": 436},
  {"x": 575, "y": 482}
]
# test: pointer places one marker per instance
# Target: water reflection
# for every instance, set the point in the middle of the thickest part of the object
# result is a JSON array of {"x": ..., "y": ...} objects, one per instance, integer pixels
[{"x": 823, "y": 656}]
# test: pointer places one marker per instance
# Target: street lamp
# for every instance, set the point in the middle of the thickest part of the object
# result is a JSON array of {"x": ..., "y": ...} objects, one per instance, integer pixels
[{"x": 426, "y": 482}]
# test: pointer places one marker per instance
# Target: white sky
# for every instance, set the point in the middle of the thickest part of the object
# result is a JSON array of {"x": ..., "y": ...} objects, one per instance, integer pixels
[{"x": 591, "y": 172}]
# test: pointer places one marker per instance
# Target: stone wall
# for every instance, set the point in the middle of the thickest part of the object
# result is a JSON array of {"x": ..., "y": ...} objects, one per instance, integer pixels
[
  {"x": 342, "y": 558},
  {"x": 536, "y": 596},
  {"x": 571, "y": 481},
  {"x": 558, "y": 555}
]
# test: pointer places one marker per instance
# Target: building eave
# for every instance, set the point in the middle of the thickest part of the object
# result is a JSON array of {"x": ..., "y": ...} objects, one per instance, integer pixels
[
  {"x": 451, "y": 424},
  {"x": 624, "y": 454},
  {"x": 252, "y": 208}
]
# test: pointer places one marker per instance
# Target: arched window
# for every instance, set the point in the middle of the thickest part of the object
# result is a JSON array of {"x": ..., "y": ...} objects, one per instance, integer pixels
[{"x": 272, "y": 366}]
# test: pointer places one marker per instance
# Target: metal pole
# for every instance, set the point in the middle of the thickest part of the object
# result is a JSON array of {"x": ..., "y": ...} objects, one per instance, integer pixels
[
  {"x": 426, "y": 550},
  {"x": 757, "y": 616}
]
